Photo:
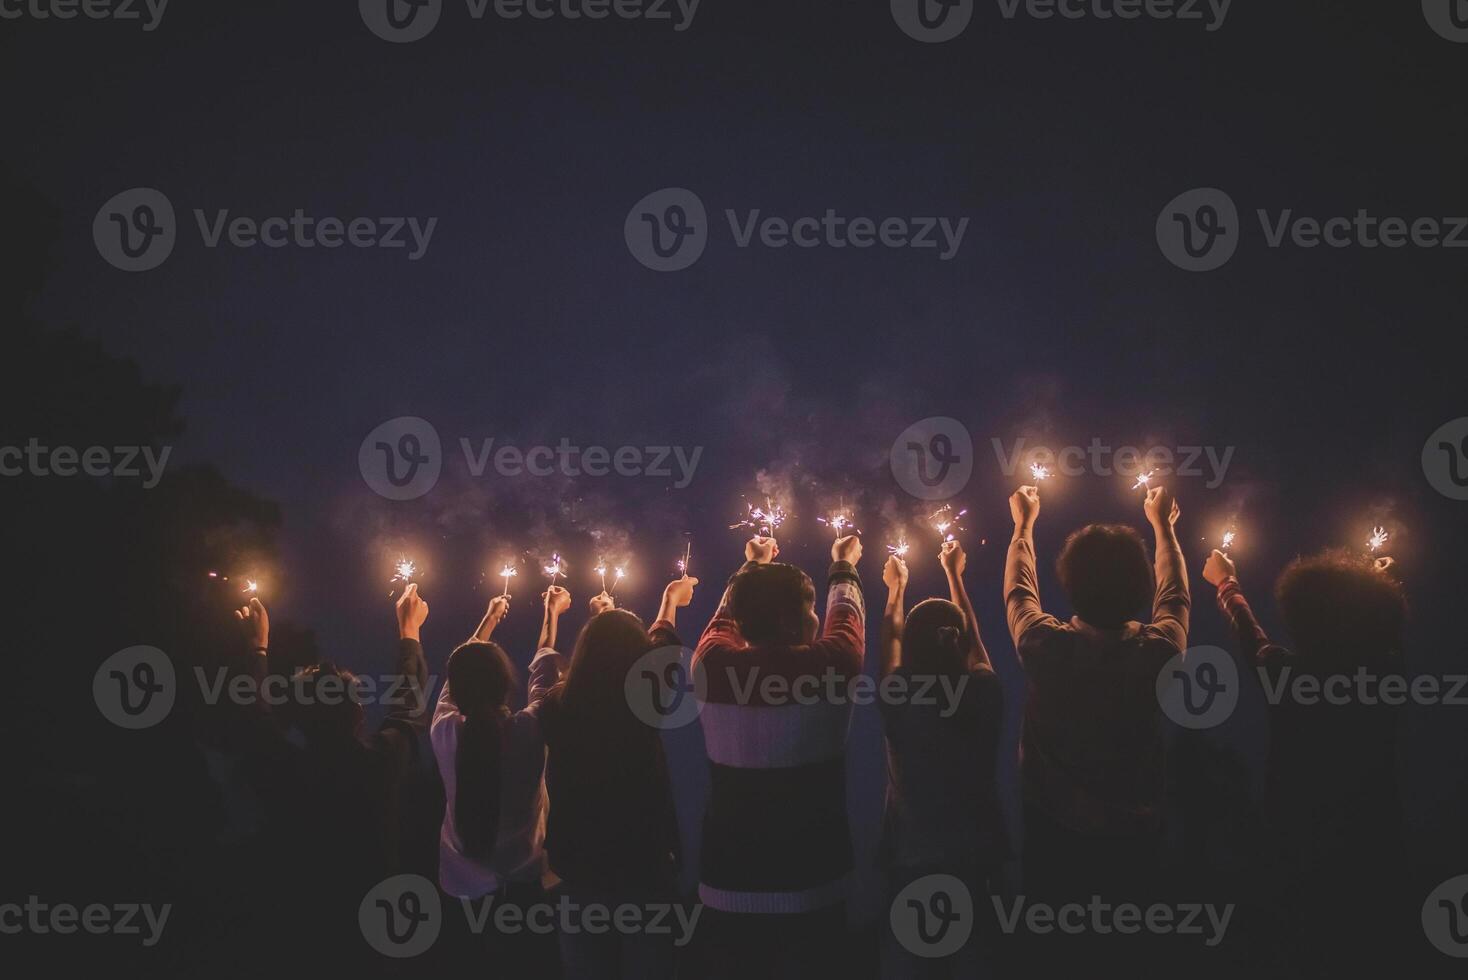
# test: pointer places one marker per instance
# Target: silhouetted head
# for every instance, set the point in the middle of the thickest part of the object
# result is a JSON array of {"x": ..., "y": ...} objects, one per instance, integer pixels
[
  {"x": 480, "y": 678},
  {"x": 606, "y": 650},
  {"x": 774, "y": 603},
  {"x": 1337, "y": 606},
  {"x": 1105, "y": 572},
  {"x": 325, "y": 705},
  {"x": 932, "y": 639}
]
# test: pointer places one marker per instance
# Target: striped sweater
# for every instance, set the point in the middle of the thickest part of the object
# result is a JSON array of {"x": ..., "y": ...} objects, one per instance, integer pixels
[{"x": 775, "y": 834}]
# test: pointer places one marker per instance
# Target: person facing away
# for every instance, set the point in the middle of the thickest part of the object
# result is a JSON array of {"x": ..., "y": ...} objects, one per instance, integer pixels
[
  {"x": 1331, "y": 806},
  {"x": 612, "y": 836},
  {"x": 1091, "y": 743},
  {"x": 345, "y": 784},
  {"x": 943, "y": 731},
  {"x": 492, "y": 760},
  {"x": 776, "y": 850}
]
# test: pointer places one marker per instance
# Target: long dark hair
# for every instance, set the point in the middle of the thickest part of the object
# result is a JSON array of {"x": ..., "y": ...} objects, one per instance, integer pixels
[
  {"x": 606, "y": 649},
  {"x": 933, "y": 640},
  {"x": 480, "y": 678}
]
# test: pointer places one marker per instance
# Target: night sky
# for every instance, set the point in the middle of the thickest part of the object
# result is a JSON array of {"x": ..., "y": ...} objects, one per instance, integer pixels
[{"x": 528, "y": 320}]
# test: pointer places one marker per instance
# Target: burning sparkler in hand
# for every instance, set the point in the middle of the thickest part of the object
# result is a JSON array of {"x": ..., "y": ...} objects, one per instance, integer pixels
[
  {"x": 764, "y": 520},
  {"x": 1378, "y": 539},
  {"x": 507, "y": 573},
  {"x": 945, "y": 521},
  {"x": 555, "y": 569},
  {"x": 683, "y": 562},
  {"x": 1039, "y": 473},
  {"x": 403, "y": 572},
  {"x": 898, "y": 550},
  {"x": 1228, "y": 540},
  {"x": 621, "y": 571},
  {"x": 1144, "y": 480}
]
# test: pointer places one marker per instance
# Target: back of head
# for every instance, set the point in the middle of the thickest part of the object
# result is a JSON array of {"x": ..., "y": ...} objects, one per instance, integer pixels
[
  {"x": 1337, "y": 606},
  {"x": 480, "y": 678},
  {"x": 932, "y": 639},
  {"x": 1105, "y": 572},
  {"x": 772, "y": 603},
  {"x": 606, "y": 650},
  {"x": 324, "y": 704}
]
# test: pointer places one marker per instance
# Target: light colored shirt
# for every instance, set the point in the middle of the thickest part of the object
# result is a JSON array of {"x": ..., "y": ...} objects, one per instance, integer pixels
[{"x": 519, "y": 853}]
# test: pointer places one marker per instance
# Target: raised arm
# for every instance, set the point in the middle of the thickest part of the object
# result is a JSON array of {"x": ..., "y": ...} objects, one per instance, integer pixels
[
  {"x": 1171, "y": 606},
  {"x": 1021, "y": 583},
  {"x": 677, "y": 594},
  {"x": 409, "y": 695},
  {"x": 954, "y": 562},
  {"x": 1253, "y": 642},
  {"x": 499, "y": 607},
  {"x": 894, "y": 574},
  {"x": 557, "y": 601},
  {"x": 722, "y": 629}
]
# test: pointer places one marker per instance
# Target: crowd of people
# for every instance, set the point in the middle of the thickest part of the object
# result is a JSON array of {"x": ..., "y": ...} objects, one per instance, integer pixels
[{"x": 560, "y": 789}]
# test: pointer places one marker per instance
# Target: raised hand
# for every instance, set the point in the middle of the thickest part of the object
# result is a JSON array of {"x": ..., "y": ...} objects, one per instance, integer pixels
[
  {"x": 601, "y": 603},
  {"x": 847, "y": 549},
  {"x": 680, "y": 591},
  {"x": 1161, "y": 508},
  {"x": 1024, "y": 506},
  {"x": 1218, "y": 568},
  {"x": 557, "y": 600},
  {"x": 255, "y": 622},
  {"x": 412, "y": 611},
  {"x": 894, "y": 574},
  {"x": 953, "y": 559},
  {"x": 762, "y": 550}
]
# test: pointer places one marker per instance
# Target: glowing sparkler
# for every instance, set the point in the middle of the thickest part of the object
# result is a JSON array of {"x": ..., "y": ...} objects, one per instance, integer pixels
[
  {"x": 1378, "y": 539},
  {"x": 555, "y": 569},
  {"x": 765, "y": 520},
  {"x": 1039, "y": 472},
  {"x": 1144, "y": 480},
  {"x": 507, "y": 573},
  {"x": 621, "y": 571},
  {"x": 944, "y": 520},
  {"x": 898, "y": 550},
  {"x": 251, "y": 586},
  {"x": 1228, "y": 540},
  {"x": 683, "y": 562},
  {"x": 601, "y": 569}
]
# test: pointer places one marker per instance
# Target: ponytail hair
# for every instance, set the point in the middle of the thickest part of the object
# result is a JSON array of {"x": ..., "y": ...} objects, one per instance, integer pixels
[
  {"x": 933, "y": 639},
  {"x": 480, "y": 678}
]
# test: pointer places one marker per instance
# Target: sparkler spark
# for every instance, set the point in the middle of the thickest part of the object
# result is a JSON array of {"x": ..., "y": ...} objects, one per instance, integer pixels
[
  {"x": 507, "y": 573},
  {"x": 765, "y": 520},
  {"x": 683, "y": 562},
  {"x": 555, "y": 569},
  {"x": 1144, "y": 480},
  {"x": 1228, "y": 540},
  {"x": 621, "y": 571},
  {"x": 1378, "y": 538},
  {"x": 945, "y": 520},
  {"x": 898, "y": 550},
  {"x": 1039, "y": 472},
  {"x": 404, "y": 571},
  {"x": 251, "y": 586},
  {"x": 601, "y": 569}
]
